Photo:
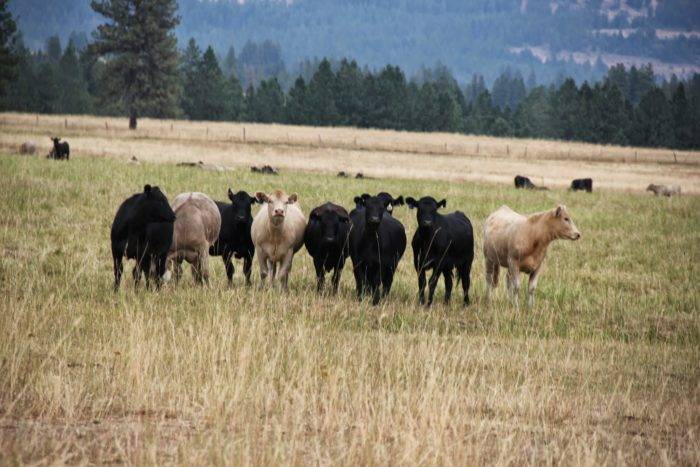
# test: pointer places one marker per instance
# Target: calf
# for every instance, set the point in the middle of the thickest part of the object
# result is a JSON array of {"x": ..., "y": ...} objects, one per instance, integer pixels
[
  {"x": 278, "y": 233},
  {"x": 326, "y": 239},
  {"x": 442, "y": 243},
  {"x": 196, "y": 229},
  {"x": 582, "y": 184},
  {"x": 143, "y": 230},
  {"x": 664, "y": 190},
  {"x": 377, "y": 243},
  {"x": 520, "y": 244},
  {"x": 234, "y": 237},
  {"x": 61, "y": 150}
]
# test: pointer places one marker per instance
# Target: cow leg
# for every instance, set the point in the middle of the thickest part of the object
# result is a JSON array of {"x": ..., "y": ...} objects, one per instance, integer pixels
[
  {"x": 432, "y": 284},
  {"x": 387, "y": 279},
  {"x": 464, "y": 273},
  {"x": 118, "y": 269},
  {"x": 359, "y": 273},
  {"x": 228, "y": 264},
  {"x": 336, "y": 278},
  {"x": 447, "y": 274},
  {"x": 263, "y": 265},
  {"x": 320, "y": 274},
  {"x": 514, "y": 281},
  {"x": 202, "y": 262},
  {"x": 532, "y": 285},
  {"x": 421, "y": 286},
  {"x": 160, "y": 270},
  {"x": 177, "y": 269},
  {"x": 247, "y": 267},
  {"x": 285, "y": 268},
  {"x": 492, "y": 271},
  {"x": 374, "y": 281}
]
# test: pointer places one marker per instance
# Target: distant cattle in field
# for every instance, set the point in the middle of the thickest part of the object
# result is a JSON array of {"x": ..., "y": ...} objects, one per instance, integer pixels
[
  {"x": 664, "y": 190},
  {"x": 582, "y": 184},
  {"x": 342, "y": 174},
  {"x": 28, "y": 147},
  {"x": 264, "y": 169},
  {"x": 377, "y": 243},
  {"x": 525, "y": 183},
  {"x": 327, "y": 241},
  {"x": 278, "y": 233},
  {"x": 442, "y": 243},
  {"x": 60, "y": 150},
  {"x": 520, "y": 244},
  {"x": 133, "y": 161},
  {"x": 143, "y": 230},
  {"x": 359, "y": 175},
  {"x": 234, "y": 239},
  {"x": 196, "y": 229}
]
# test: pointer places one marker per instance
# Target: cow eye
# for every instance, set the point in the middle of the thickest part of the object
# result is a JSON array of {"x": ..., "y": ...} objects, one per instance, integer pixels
[{"x": 567, "y": 219}]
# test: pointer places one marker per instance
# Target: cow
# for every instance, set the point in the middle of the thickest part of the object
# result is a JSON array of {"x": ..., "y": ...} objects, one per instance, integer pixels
[
  {"x": 377, "y": 243},
  {"x": 143, "y": 230},
  {"x": 664, "y": 190},
  {"x": 520, "y": 244},
  {"x": 234, "y": 237},
  {"x": 582, "y": 184},
  {"x": 524, "y": 182},
  {"x": 326, "y": 239},
  {"x": 28, "y": 147},
  {"x": 277, "y": 233},
  {"x": 196, "y": 229},
  {"x": 442, "y": 243},
  {"x": 61, "y": 150}
]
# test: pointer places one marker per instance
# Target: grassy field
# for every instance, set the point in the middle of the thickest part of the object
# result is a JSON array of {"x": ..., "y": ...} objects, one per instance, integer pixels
[{"x": 603, "y": 370}]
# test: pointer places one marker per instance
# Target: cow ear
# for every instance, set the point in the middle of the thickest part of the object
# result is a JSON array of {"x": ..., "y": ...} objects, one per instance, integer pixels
[
  {"x": 359, "y": 200},
  {"x": 292, "y": 198},
  {"x": 254, "y": 200},
  {"x": 147, "y": 189},
  {"x": 262, "y": 197},
  {"x": 398, "y": 201},
  {"x": 559, "y": 210},
  {"x": 365, "y": 196},
  {"x": 442, "y": 203},
  {"x": 230, "y": 194},
  {"x": 411, "y": 203}
]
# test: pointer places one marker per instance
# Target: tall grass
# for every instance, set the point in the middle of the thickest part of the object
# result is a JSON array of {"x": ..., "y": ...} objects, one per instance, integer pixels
[{"x": 603, "y": 370}]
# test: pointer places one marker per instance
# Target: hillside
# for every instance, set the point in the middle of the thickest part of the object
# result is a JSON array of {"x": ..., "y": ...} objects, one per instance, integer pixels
[{"x": 578, "y": 38}]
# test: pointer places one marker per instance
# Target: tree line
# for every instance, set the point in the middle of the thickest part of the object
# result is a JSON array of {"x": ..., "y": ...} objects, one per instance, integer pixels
[{"x": 627, "y": 107}]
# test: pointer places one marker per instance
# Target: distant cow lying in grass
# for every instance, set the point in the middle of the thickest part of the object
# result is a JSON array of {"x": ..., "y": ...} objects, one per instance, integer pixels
[
  {"x": 143, "y": 230},
  {"x": 277, "y": 233},
  {"x": 60, "y": 150},
  {"x": 665, "y": 190},
  {"x": 264, "y": 169},
  {"x": 525, "y": 183},
  {"x": 520, "y": 244},
  {"x": 196, "y": 228},
  {"x": 582, "y": 184}
]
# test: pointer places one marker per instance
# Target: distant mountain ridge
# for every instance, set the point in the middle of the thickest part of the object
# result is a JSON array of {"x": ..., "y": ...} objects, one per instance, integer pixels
[{"x": 550, "y": 38}]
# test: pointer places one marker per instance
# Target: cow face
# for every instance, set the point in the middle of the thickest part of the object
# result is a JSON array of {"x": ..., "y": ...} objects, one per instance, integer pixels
[
  {"x": 427, "y": 210},
  {"x": 563, "y": 225},
  {"x": 374, "y": 207},
  {"x": 154, "y": 207},
  {"x": 241, "y": 203},
  {"x": 55, "y": 140},
  {"x": 330, "y": 221},
  {"x": 389, "y": 201},
  {"x": 277, "y": 203}
]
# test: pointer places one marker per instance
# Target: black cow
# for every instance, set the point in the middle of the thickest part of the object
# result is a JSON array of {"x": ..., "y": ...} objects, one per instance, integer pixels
[
  {"x": 377, "y": 243},
  {"x": 524, "y": 182},
  {"x": 60, "y": 150},
  {"x": 441, "y": 243},
  {"x": 326, "y": 239},
  {"x": 585, "y": 184},
  {"x": 234, "y": 237},
  {"x": 143, "y": 230}
]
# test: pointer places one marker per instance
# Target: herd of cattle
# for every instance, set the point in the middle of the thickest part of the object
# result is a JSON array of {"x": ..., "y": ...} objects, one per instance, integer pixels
[{"x": 157, "y": 234}]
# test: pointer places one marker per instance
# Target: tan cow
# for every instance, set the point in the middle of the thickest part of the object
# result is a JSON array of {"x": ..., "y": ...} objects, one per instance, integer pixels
[
  {"x": 278, "y": 233},
  {"x": 28, "y": 147},
  {"x": 665, "y": 190},
  {"x": 196, "y": 228},
  {"x": 520, "y": 243}
]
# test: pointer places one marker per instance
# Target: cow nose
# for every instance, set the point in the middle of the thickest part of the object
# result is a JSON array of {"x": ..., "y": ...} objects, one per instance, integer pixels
[
  {"x": 577, "y": 235},
  {"x": 328, "y": 239},
  {"x": 374, "y": 220},
  {"x": 279, "y": 212},
  {"x": 427, "y": 223},
  {"x": 240, "y": 218}
]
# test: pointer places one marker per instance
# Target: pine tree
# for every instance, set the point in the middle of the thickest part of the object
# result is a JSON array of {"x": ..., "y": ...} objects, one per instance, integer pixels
[
  {"x": 321, "y": 96},
  {"x": 682, "y": 121},
  {"x": 229, "y": 64},
  {"x": 73, "y": 95},
  {"x": 349, "y": 92},
  {"x": 653, "y": 123},
  {"x": 235, "y": 102},
  {"x": 190, "y": 64},
  {"x": 139, "y": 42},
  {"x": 210, "y": 92},
  {"x": 8, "y": 57},
  {"x": 269, "y": 102},
  {"x": 297, "y": 110},
  {"x": 53, "y": 49},
  {"x": 565, "y": 110}
]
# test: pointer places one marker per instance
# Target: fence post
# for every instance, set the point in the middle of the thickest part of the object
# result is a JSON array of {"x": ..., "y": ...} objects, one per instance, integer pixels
[
  {"x": 244, "y": 134},
  {"x": 675, "y": 159},
  {"x": 477, "y": 148},
  {"x": 65, "y": 123},
  {"x": 507, "y": 150}
]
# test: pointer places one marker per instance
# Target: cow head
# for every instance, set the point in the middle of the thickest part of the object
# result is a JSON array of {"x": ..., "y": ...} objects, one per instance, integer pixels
[
  {"x": 55, "y": 140},
  {"x": 241, "y": 203},
  {"x": 652, "y": 187},
  {"x": 389, "y": 201},
  {"x": 427, "y": 210},
  {"x": 374, "y": 208},
  {"x": 562, "y": 225},
  {"x": 277, "y": 203},
  {"x": 330, "y": 217},
  {"x": 154, "y": 207}
]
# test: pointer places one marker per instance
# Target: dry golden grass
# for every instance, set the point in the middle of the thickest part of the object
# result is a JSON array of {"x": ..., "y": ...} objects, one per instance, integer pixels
[
  {"x": 604, "y": 370},
  {"x": 378, "y": 153}
]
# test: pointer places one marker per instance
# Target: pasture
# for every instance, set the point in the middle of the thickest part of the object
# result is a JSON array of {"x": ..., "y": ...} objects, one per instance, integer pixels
[{"x": 604, "y": 369}]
